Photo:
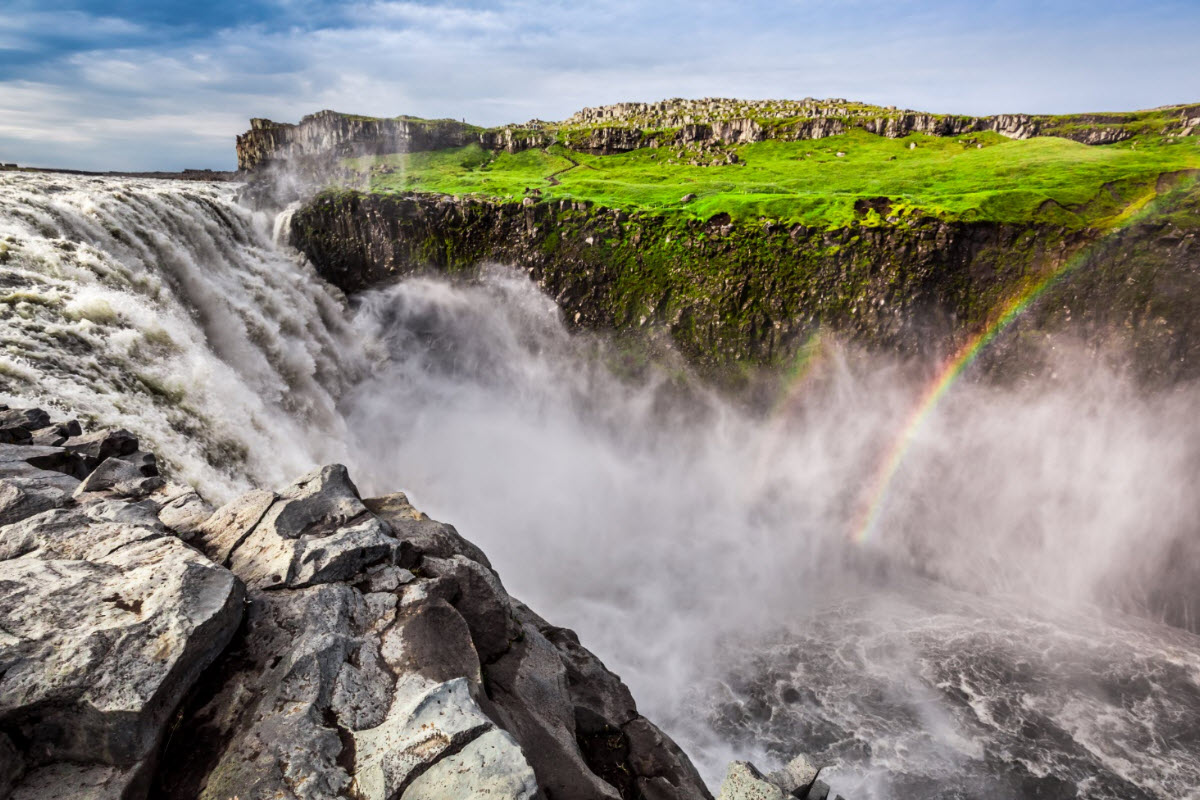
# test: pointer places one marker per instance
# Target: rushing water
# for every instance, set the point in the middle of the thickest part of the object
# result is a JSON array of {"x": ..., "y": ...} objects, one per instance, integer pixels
[{"x": 703, "y": 550}]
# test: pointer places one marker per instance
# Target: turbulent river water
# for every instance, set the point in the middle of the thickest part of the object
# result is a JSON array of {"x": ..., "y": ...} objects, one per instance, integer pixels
[{"x": 996, "y": 637}]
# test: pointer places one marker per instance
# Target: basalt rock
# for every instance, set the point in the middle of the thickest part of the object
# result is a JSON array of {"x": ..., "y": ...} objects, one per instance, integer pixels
[
  {"x": 314, "y": 145},
  {"x": 795, "y": 781},
  {"x": 382, "y": 657},
  {"x": 725, "y": 291},
  {"x": 303, "y": 643},
  {"x": 106, "y": 621}
]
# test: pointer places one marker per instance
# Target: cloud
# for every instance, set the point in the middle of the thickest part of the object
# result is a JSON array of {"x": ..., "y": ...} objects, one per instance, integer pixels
[{"x": 126, "y": 76}]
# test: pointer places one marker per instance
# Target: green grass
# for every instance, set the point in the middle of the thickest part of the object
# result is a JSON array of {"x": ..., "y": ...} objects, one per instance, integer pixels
[{"x": 978, "y": 176}]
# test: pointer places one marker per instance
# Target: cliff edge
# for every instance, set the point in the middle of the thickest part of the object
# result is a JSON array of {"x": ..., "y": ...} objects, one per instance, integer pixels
[{"x": 305, "y": 643}]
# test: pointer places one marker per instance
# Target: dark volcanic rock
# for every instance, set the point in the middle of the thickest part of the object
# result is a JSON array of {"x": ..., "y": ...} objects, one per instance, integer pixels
[
  {"x": 333, "y": 684},
  {"x": 374, "y": 654}
]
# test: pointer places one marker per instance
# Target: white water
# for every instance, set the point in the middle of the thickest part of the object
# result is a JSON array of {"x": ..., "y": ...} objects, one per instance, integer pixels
[{"x": 675, "y": 532}]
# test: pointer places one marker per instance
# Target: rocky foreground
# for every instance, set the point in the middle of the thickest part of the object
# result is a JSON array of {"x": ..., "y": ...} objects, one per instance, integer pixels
[{"x": 306, "y": 643}]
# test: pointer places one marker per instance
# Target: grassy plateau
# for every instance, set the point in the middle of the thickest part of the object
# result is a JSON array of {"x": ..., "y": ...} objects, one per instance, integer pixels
[{"x": 829, "y": 182}]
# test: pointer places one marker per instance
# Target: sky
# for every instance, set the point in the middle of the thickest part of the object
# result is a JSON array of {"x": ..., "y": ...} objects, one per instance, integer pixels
[{"x": 129, "y": 85}]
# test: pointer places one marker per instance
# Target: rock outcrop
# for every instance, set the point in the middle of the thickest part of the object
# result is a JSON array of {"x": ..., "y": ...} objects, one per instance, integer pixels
[
  {"x": 326, "y": 136},
  {"x": 107, "y": 618},
  {"x": 725, "y": 291},
  {"x": 306, "y": 643},
  {"x": 798, "y": 780},
  {"x": 731, "y": 291}
]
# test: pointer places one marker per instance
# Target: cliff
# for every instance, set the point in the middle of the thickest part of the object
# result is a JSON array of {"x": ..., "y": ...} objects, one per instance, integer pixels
[
  {"x": 733, "y": 292},
  {"x": 725, "y": 291},
  {"x": 629, "y": 126},
  {"x": 328, "y": 135},
  {"x": 300, "y": 643}
]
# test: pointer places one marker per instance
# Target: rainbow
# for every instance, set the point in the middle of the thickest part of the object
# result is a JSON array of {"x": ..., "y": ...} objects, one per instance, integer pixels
[{"x": 867, "y": 521}]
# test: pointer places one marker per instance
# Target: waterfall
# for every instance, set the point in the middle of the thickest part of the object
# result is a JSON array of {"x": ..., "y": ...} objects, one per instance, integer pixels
[
  {"x": 702, "y": 549},
  {"x": 163, "y": 307}
]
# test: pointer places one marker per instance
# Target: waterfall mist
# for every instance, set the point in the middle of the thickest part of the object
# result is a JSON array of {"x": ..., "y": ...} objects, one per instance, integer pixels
[{"x": 703, "y": 549}]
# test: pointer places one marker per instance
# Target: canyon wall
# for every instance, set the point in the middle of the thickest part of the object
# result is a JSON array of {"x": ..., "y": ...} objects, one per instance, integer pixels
[{"x": 751, "y": 293}]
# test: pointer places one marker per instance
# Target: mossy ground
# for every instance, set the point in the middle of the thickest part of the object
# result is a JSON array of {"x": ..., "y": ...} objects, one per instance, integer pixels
[{"x": 977, "y": 177}]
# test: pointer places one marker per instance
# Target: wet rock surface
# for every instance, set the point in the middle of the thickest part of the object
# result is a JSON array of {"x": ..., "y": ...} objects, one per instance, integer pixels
[{"x": 305, "y": 643}]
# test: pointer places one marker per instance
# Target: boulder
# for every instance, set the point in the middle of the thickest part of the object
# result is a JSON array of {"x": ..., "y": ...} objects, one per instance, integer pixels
[
  {"x": 316, "y": 531},
  {"x": 43, "y": 457},
  {"x": 18, "y": 424},
  {"x": 95, "y": 447},
  {"x": 424, "y": 535},
  {"x": 127, "y": 618},
  {"x": 26, "y": 490},
  {"x": 313, "y": 646},
  {"x": 119, "y": 477},
  {"x": 744, "y": 782},
  {"x": 182, "y": 510},
  {"x": 382, "y": 657},
  {"x": 797, "y": 777},
  {"x": 491, "y": 765},
  {"x": 528, "y": 688},
  {"x": 819, "y": 791},
  {"x": 57, "y": 433}
]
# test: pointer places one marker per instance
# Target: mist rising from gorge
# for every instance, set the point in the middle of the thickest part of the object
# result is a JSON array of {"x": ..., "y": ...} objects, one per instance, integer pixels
[{"x": 670, "y": 526}]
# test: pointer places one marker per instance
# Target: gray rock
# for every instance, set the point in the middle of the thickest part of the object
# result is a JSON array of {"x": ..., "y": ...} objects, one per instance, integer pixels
[
  {"x": 26, "y": 491},
  {"x": 182, "y": 510},
  {"x": 57, "y": 433},
  {"x": 491, "y": 765},
  {"x": 267, "y": 560},
  {"x": 66, "y": 781},
  {"x": 744, "y": 782},
  {"x": 128, "y": 616},
  {"x": 54, "y": 459},
  {"x": 12, "y": 766},
  {"x": 229, "y": 526},
  {"x": 425, "y": 536},
  {"x": 355, "y": 674},
  {"x": 316, "y": 531},
  {"x": 796, "y": 777},
  {"x": 118, "y": 477},
  {"x": 664, "y": 771},
  {"x": 321, "y": 690},
  {"x": 422, "y": 726},
  {"x": 482, "y": 602},
  {"x": 267, "y": 729},
  {"x": 528, "y": 687},
  {"x": 146, "y": 463},
  {"x": 819, "y": 791},
  {"x": 95, "y": 447},
  {"x": 18, "y": 424},
  {"x": 317, "y": 504}
]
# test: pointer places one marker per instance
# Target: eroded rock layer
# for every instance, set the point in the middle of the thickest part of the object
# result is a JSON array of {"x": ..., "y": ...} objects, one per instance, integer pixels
[{"x": 305, "y": 643}]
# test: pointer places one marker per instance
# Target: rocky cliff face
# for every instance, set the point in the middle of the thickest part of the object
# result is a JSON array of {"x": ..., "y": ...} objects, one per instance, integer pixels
[
  {"x": 726, "y": 292},
  {"x": 333, "y": 135},
  {"x": 752, "y": 292},
  {"x": 328, "y": 135},
  {"x": 306, "y": 643}
]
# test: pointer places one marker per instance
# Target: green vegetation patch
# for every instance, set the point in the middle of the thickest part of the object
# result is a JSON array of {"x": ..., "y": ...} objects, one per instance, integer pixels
[{"x": 854, "y": 178}]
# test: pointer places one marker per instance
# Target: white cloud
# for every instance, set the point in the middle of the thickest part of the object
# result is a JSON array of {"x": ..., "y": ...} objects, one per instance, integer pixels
[{"x": 167, "y": 107}]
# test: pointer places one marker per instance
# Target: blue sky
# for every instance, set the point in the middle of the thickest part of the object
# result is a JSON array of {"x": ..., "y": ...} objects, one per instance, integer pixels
[{"x": 167, "y": 85}]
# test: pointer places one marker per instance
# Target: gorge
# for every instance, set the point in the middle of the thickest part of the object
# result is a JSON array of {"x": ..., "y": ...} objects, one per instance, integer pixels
[{"x": 660, "y": 424}]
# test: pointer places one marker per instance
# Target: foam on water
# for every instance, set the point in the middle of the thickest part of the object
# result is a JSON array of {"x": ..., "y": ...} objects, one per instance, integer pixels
[
  {"x": 700, "y": 549},
  {"x": 163, "y": 308}
]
